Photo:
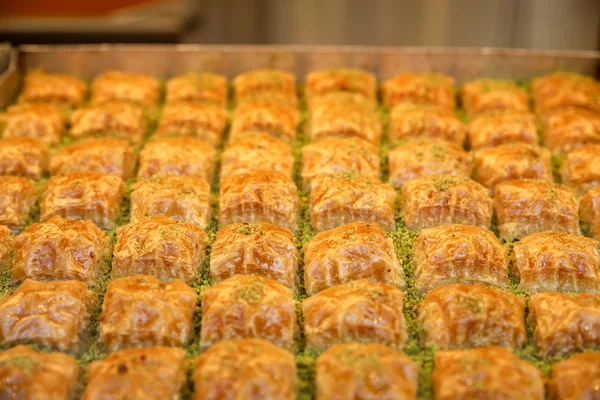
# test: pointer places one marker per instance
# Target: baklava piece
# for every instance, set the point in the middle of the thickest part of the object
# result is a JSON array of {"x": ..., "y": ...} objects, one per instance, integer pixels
[
  {"x": 450, "y": 254},
  {"x": 182, "y": 156},
  {"x": 509, "y": 162},
  {"x": 154, "y": 373},
  {"x": 197, "y": 87},
  {"x": 557, "y": 261},
  {"x": 502, "y": 127},
  {"x": 527, "y": 206},
  {"x": 277, "y": 120},
  {"x": 256, "y": 152},
  {"x": 434, "y": 200},
  {"x": 250, "y": 369},
  {"x": 340, "y": 80},
  {"x": 457, "y": 316},
  {"x": 562, "y": 89},
  {"x": 184, "y": 198},
  {"x": 485, "y": 373},
  {"x": 589, "y": 212},
  {"x": 345, "y": 122},
  {"x": 61, "y": 249},
  {"x": 142, "y": 311},
  {"x": 259, "y": 196},
  {"x": 49, "y": 314},
  {"x": 581, "y": 168},
  {"x": 414, "y": 121},
  {"x": 564, "y": 322},
  {"x": 109, "y": 156},
  {"x": 45, "y": 122},
  {"x": 115, "y": 119},
  {"x": 484, "y": 95},
  {"x": 84, "y": 195},
  {"x": 24, "y": 157},
  {"x": 338, "y": 155},
  {"x": 420, "y": 157},
  {"x": 248, "y": 307},
  {"x": 204, "y": 122},
  {"x": 577, "y": 377},
  {"x": 434, "y": 89},
  {"x": 343, "y": 99},
  {"x": 276, "y": 98},
  {"x": 6, "y": 248},
  {"x": 61, "y": 89},
  {"x": 29, "y": 374},
  {"x": 161, "y": 247},
  {"x": 140, "y": 89},
  {"x": 17, "y": 198},
  {"x": 264, "y": 81},
  {"x": 347, "y": 197},
  {"x": 254, "y": 249},
  {"x": 349, "y": 371},
  {"x": 350, "y": 252},
  {"x": 570, "y": 128},
  {"x": 360, "y": 311}
]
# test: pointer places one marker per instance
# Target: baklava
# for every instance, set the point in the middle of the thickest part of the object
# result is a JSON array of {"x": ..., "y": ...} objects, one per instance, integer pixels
[
  {"x": 417, "y": 121},
  {"x": 484, "y": 95},
  {"x": 417, "y": 88},
  {"x": 201, "y": 121},
  {"x": 502, "y": 127},
  {"x": 45, "y": 122},
  {"x": 25, "y": 157},
  {"x": 351, "y": 80},
  {"x": 60, "y": 89},
  {"x": 563, "y": 89},
  {"x": 197, "y": 87},
  {"x": 135, "y": 88},
  {"x": 17, "y": 198},
  {"x": 581, "y": 168}
]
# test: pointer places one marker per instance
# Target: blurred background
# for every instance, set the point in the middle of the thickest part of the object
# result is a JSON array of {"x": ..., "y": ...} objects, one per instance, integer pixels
[{"x": 544, "y": 24}]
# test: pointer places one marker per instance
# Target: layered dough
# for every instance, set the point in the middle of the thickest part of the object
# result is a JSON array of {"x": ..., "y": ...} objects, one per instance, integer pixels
[
  {"x": 61, "y": 89},
  {"x": 204, "y": 122},
  {"x": 485, "y": 95},
  {"x": 347, "y": 197},
  {"x": 563, "y": 89},
  {"x": 264, "y": 81},
  {"x": 336, "y": 155},
  {"x": 577, "y": 377},
  {"x": 350, "y": 252},
  {"x": 435, "y": 200},
  {"x": 458, "y": 316},
  {"x": 459, "y": 254},
  {"x": 183, "y": 156},
  {"x": 360, "y": 371},
  {"x": 61, "y": 249},
  {"x": 184, "y": 198},
  {"x": 26, "y": 157},
  {"x": 257, "y": 152},
  {"x": 49, "y": 314},
  {"x": 523, "y": 207},
  {"x": 6, "y": 248},
  {"x": 414, "y": 121},
  {"x": 84, "y": 195},
  {"x": 29, "y": 374},
  {"x": 277, "y": 120},
  {"x": 570, "y": 128},
  {"x": 360, "y": 311},
  {"x": 107, "y": 155},
  {"x": 511, "y": 161},
  {"x": 351, "y": 80},
  {"x": 134, "y": 88},
  {"x": 260, "y": 196},
  {"x": 419, "y": 157},
  {"x": 260, "y": 249},
  {"x": 589, "y": 212},
  {"x": 113, "y": 119},
  {"x": 45, "y": 122},
  {"x": 161, "y": 247},
  {"x": 248, "y": 307},
  {"x": 197, "y": 87},
  {"x": 142, "y": 311},
  {"x": 343, "y": 99},
  {"x": 581, "y": 168},
  {"x": 564, "y": 322},
  {"x": 418, "y": 88},
  {"x": 154, "y": 373},
  {"x": 485, "y": 373},
  {"x": 17, "y": 198},
  {"x": 251, "y": 369},
  {"x": 557, "y": 261},
  {"x": 502, "y": 127},
  {"x": 331, "y": 120}
]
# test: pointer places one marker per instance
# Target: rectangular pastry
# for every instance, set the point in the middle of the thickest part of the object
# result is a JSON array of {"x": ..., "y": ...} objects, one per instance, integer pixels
[
  {"x": 45, "y": 122},
  {"x": 26, "y": 157}
]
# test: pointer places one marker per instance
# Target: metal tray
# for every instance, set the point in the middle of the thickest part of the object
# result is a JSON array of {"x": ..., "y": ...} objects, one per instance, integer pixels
[{"x": 166, "y": 60}]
